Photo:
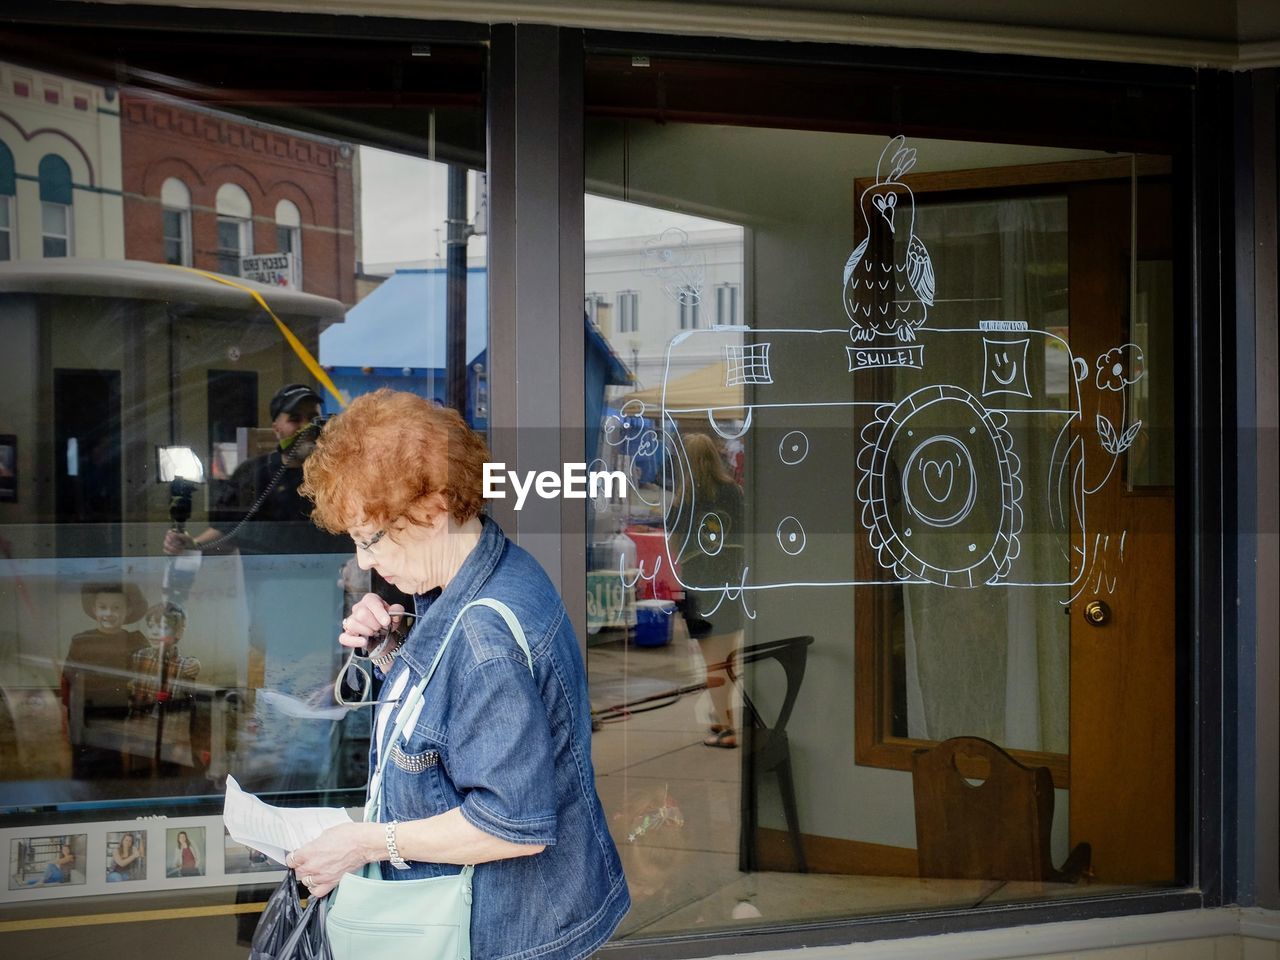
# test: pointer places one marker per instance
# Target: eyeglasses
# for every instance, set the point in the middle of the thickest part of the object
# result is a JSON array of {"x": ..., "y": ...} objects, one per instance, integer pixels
[
  {"x": 357, "y": 675},
  {"x": 368, "y": 545}
]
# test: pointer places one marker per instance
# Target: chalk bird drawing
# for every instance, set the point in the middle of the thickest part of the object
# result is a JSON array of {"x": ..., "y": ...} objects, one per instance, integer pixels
[{"x": 889, "y": 298}]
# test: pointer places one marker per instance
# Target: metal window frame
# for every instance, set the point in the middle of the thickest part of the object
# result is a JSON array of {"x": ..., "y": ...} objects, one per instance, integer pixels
[
  {"x": 1208, "y": 774},
  {"x": 536, "y": 298}
]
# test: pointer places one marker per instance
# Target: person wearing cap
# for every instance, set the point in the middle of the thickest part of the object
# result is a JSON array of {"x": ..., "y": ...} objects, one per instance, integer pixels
[{"x": 282, "y": 522}]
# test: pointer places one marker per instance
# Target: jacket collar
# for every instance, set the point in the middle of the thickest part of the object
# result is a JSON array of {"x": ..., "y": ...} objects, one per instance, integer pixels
[{"x": 436, "y": 610}]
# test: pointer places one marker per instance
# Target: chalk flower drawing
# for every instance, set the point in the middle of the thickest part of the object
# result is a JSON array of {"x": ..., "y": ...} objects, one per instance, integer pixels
[
  {"x": 1120, "y": 367},
  {"x": 681, "y": 269}
]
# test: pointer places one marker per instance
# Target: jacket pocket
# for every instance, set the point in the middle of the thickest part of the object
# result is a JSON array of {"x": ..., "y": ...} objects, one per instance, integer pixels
[
  {"x": 412, "y": 788},
  {"x": 414, "y": 762}
]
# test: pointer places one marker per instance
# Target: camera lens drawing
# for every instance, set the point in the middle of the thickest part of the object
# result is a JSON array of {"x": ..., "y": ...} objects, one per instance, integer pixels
[
  {"x": 793, "y": 448},
  {"x": 960, "y": 489},
  {"x": 940, "y": 482},
  {"x": 711, "y": 534},
  {"x": 791, "y": 537}
]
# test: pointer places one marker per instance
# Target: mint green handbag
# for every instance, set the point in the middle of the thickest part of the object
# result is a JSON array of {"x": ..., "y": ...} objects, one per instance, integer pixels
[{"x": 429, "y": 919}]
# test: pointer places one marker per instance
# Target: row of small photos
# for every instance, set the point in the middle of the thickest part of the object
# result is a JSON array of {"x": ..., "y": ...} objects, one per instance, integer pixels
[{"x": 155, "y": 853}]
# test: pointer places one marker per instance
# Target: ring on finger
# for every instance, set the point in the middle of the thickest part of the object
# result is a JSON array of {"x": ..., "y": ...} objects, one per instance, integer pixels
[{"x": 307, "y": 881}]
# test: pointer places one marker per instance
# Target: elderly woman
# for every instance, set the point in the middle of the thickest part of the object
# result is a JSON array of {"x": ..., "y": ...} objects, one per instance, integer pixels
[{"x": 495, "y": 768}]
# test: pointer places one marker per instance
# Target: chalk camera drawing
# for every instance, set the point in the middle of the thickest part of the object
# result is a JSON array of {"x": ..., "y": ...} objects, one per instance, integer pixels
[
  {"x": 967, "y": 461},
  {"x": 941, "y": 483}
]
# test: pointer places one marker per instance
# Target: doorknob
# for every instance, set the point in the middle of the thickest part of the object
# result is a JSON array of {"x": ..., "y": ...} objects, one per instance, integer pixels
[{"x": 1097, "y": 613}]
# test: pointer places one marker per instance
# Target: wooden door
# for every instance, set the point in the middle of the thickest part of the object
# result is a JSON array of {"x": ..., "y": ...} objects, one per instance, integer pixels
[{"x": 1123, "y": 723}]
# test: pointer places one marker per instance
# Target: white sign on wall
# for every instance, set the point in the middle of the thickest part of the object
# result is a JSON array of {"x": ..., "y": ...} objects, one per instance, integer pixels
[{"x": 273, "y": 269}]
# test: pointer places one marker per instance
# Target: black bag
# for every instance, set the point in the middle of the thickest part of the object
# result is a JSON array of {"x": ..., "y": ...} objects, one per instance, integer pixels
[{"x": 286, "y": 931}]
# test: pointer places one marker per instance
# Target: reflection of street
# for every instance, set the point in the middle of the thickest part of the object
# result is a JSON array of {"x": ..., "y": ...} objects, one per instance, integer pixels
[{"x": 276, "y": 752}]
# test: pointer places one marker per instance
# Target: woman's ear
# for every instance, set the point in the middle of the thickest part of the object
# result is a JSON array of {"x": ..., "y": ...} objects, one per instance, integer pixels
[{"x": 439, "y": 513}]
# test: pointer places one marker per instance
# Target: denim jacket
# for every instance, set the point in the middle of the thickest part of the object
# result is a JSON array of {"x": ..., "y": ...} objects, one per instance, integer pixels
[{"x": 513, "y": 750}]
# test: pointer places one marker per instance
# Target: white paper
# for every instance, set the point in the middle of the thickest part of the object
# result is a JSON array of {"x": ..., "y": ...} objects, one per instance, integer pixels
[{"x": 274, "y": 830}]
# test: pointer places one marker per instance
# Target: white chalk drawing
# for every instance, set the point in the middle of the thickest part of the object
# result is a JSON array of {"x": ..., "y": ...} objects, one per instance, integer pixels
[
  {"x": 944, "y": 476},
  {"x": 746, "y": 363},
  {"x": 885, "y": 295},
  {"x": 730, "y": 432},
  {"x": 681, "y": 268},
  {"x": 949, "y": 451},
  {"x": 711, "y": 534},
  {"x": 793, "y": 448},
  {"x": 791, "y": 536},
  {"x": 942, "y": 483},
  {"x": 1005, "y": 369}
]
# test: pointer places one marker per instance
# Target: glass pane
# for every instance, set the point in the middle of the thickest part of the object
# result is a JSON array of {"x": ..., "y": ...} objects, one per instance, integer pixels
[
  {"x": 229, "y": 246},
  {"x": 1150, "y": 459},
  {"x": 174, "y": 236},
  {"x": 55, "y": 218},
  {"x": 876, "y": 507},
  {"x": 168, "y": 612}
]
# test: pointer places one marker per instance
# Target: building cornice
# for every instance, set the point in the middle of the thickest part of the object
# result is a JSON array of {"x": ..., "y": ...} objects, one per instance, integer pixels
[{"x": 824, "y": 26}]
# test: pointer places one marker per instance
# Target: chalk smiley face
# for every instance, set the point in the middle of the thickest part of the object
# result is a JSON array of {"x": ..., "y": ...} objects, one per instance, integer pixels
[{"x": 1005, "y": 367}]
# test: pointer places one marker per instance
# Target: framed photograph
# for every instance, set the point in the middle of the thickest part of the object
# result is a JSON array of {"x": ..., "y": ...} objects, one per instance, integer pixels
[
  {"x": 52, "y": 861},
  {"x": 237, "y": 858},
  {"x": 8, "y": 468},
  {"x": 184, "y": 852},
  {"x": 126, "y": 856}
]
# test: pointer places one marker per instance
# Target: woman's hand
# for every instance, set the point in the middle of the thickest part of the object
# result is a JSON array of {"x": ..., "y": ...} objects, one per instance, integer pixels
[
  {"x": 343, "y": 849},
  {"x": 370, "y": 616}
]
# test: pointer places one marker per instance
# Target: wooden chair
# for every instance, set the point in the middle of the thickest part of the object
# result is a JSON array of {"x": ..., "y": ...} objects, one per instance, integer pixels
[
  {"x": 997, "y": 829},
  {"x": 766, "y": 748}
]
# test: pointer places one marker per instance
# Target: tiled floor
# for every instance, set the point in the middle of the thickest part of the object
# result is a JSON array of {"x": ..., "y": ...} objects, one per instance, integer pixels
[{"x": 673, "y": 807}]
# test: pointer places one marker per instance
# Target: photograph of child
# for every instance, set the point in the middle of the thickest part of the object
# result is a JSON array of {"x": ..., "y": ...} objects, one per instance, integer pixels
[
  {"x": 237, "y": 858},
  {"x": 126, "y": 856},
  {"x": 93, "y": 677},
  {"x": 184, "y": 852},
  {"x": 47, "y": 861}
]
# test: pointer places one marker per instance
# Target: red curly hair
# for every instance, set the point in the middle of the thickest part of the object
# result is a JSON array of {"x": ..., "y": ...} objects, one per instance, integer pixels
[{"x": 388, "y": 456}]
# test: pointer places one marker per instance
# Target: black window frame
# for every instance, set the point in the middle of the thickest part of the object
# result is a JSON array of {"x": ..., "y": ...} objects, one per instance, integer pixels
[
  {"x": 1208, "y": 475},
  {"x": 1207, "y": 776}
]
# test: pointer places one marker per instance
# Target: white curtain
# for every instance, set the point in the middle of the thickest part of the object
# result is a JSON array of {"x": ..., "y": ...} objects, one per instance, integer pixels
[{"x": 993, "y": 661}]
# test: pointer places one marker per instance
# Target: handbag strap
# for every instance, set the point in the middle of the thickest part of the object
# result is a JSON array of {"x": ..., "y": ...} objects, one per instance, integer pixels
[{"x": 411, "y": 701}]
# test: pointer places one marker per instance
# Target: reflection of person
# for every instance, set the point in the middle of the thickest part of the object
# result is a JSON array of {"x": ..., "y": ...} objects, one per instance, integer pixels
[
  {"x": 158, "y": 665},
  {"x": 496, "y": 770},
  {"x": 712, "y": 503},
  {"x": 59, "y": 870},
  {"x": 98, "y": 660},
  {"x": 126, "y": 861},
  {"x": 279, "y": 524},
  {"x": 160, "y": 693},
  {"x": 186, "y": 858}
]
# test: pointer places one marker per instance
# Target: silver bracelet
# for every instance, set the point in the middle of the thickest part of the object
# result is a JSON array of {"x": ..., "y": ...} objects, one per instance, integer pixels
[{"x": 393, "y": 852}]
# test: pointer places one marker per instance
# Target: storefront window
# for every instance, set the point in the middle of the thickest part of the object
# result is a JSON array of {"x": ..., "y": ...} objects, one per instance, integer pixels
[
  {"x": 168, "y": 613},
  {"x": 887, "y": 621}
]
